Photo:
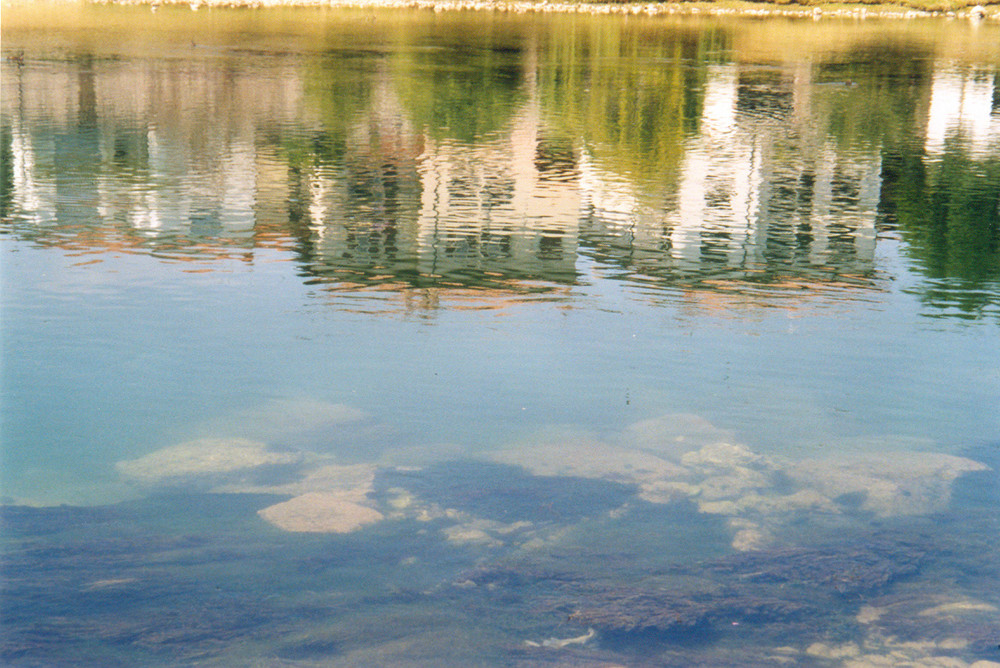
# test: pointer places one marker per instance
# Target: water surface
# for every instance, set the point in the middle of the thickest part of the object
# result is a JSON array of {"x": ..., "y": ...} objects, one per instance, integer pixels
[{"x": 340, "y": 338}]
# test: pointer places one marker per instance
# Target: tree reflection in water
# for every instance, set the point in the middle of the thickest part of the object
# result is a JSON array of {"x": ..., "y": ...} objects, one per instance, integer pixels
[{"x": 669, "y": 153}]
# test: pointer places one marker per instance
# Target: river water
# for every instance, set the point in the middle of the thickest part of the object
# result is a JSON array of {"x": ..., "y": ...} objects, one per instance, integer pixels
[{"x": 414, "y": 339}]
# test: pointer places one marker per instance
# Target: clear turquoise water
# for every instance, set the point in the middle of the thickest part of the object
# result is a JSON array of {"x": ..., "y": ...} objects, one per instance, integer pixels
[{"x": 633, "y": 326}]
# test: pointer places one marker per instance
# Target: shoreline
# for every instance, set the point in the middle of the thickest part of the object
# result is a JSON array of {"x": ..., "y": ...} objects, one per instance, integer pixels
[{"x": 724, "y": 8}]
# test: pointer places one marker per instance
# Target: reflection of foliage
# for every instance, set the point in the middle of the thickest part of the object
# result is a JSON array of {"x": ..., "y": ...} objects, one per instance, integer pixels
[
  {"x": 461, "y": 94},
  {"x": 339, "y": 89},
  {"x": 871, "y": 99},
  {"x": 948, "y": 212},
  {"x": 631, "y": 95},
  {"x": 945, "y": 207},
  {"x": 356, "y": 171},
  {"x": 6, "y": 172}
]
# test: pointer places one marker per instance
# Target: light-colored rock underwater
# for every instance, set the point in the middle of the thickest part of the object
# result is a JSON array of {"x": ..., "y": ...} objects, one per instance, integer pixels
[
  {"x": 669, "y": 459},
  {"x": 203, "y": 457}
]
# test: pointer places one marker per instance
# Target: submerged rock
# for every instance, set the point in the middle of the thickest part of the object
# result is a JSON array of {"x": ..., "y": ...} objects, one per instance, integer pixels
[
  {"x": 351, "y": 481},
  {"x": 510, "y": 576},
  {"x": 561, "y": 643},
  {"x": 501, "y": 493},
  {"x": 167, "y": 579},
  {"x": 281, "y": 419},
  {"x": 588, "y": 458},
  {"x": 677, "y": 458},
  {"x": 673, "y": 435},
  {"x": 932, "y": 618},
  {"x": 959, "y": 608},
  {"x": 639, "y": 611},
  {"x": 205, "y": 456},
  {"x": 319, "y": 512},
  {"x": 721, "y": 456},
  {"x": 469, "y": 534},
  {"x": 889, "y": 653},
  {"x": 859, "y": 566},
  {"x": 887, "y": 484},
  {"x": 762, "y": 587}
]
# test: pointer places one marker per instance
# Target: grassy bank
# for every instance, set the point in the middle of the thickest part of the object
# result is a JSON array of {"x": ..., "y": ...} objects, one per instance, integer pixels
[{"x": 973, "y": 10}]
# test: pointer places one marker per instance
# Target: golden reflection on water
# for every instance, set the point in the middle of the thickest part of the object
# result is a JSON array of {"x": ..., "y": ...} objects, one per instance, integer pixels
[{"x": 755, "y": 40}]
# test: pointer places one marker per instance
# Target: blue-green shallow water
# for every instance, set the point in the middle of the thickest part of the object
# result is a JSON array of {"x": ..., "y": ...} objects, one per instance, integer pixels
[{"x": 332, "y": 338}]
